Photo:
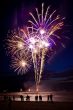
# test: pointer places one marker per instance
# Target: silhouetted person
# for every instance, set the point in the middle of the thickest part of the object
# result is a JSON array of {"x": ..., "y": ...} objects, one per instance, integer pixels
[
  {"x": 9, "y": 103},
  {"x": 51, "y": 97},
  {"x": 13, "y": 98},
  {"x": 27, "y": 98},
  {"x": 40, "y": 98},
  {"x": 5, "y": 98},
  {"x": 22, "y": 98},
  {"x": 48, "y": 97},
  {"x": 36, "y": 98}
]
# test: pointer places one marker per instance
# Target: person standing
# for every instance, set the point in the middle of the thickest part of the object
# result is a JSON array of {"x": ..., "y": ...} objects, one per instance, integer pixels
[
  {"x": 9, "y": 103},
  {"x": 51, "y": 97},
  {"x": 36, "y": 98},
  {"x": 48, "y": 97}
]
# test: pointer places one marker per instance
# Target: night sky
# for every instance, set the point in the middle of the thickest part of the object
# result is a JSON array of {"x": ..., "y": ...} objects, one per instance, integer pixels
[{"x": 15, "y": 13}]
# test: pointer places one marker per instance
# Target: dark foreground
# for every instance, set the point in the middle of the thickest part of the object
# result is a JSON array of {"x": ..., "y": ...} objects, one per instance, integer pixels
[{"x": 36, "y": 105}]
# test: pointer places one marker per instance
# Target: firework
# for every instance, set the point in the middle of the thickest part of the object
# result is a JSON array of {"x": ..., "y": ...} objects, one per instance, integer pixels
[
  {"x": 17, "y": 47},
  {"x": 33, "y": 42},
  {"x": 16, "y": 44},
  {"x": 21, "y": 63},
  {"x": 43, "y": 29}
]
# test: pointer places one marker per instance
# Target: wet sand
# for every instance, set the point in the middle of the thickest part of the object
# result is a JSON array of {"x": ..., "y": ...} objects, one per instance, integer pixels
[{"x": 17, "y": 105}]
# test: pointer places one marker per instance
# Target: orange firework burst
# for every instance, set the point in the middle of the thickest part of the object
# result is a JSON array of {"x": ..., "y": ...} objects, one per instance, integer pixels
[{"x": 21, "y": 63}]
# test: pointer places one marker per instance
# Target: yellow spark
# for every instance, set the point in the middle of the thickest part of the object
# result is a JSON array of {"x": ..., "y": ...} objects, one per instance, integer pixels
[
  {"x": 20, "y": 45},
  {"x": 22, "y": 63}
]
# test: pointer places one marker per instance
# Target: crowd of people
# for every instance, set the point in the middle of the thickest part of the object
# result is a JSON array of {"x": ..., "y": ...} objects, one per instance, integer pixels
[
  {"x": 37, "y": 98},
  {"x": 9, "y": 99}
]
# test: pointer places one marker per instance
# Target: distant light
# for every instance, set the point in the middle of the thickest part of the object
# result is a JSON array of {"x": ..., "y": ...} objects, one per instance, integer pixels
[
  {"x": 42, "y": 31},
  {"x": 29, "y": 90},
  {"x": 37, "y": 89},
  {"x": 21, "y": 90}
]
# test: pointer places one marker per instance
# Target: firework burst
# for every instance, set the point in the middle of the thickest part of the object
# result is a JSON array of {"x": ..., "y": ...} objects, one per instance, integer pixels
[
  {"x": 41, "y": 40},
  {"x": 21, "y": 63},
  {"x": 16, "y": 44},
  {"x": 33, "y": 42},
  {"x": 17, "y": 47}
]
